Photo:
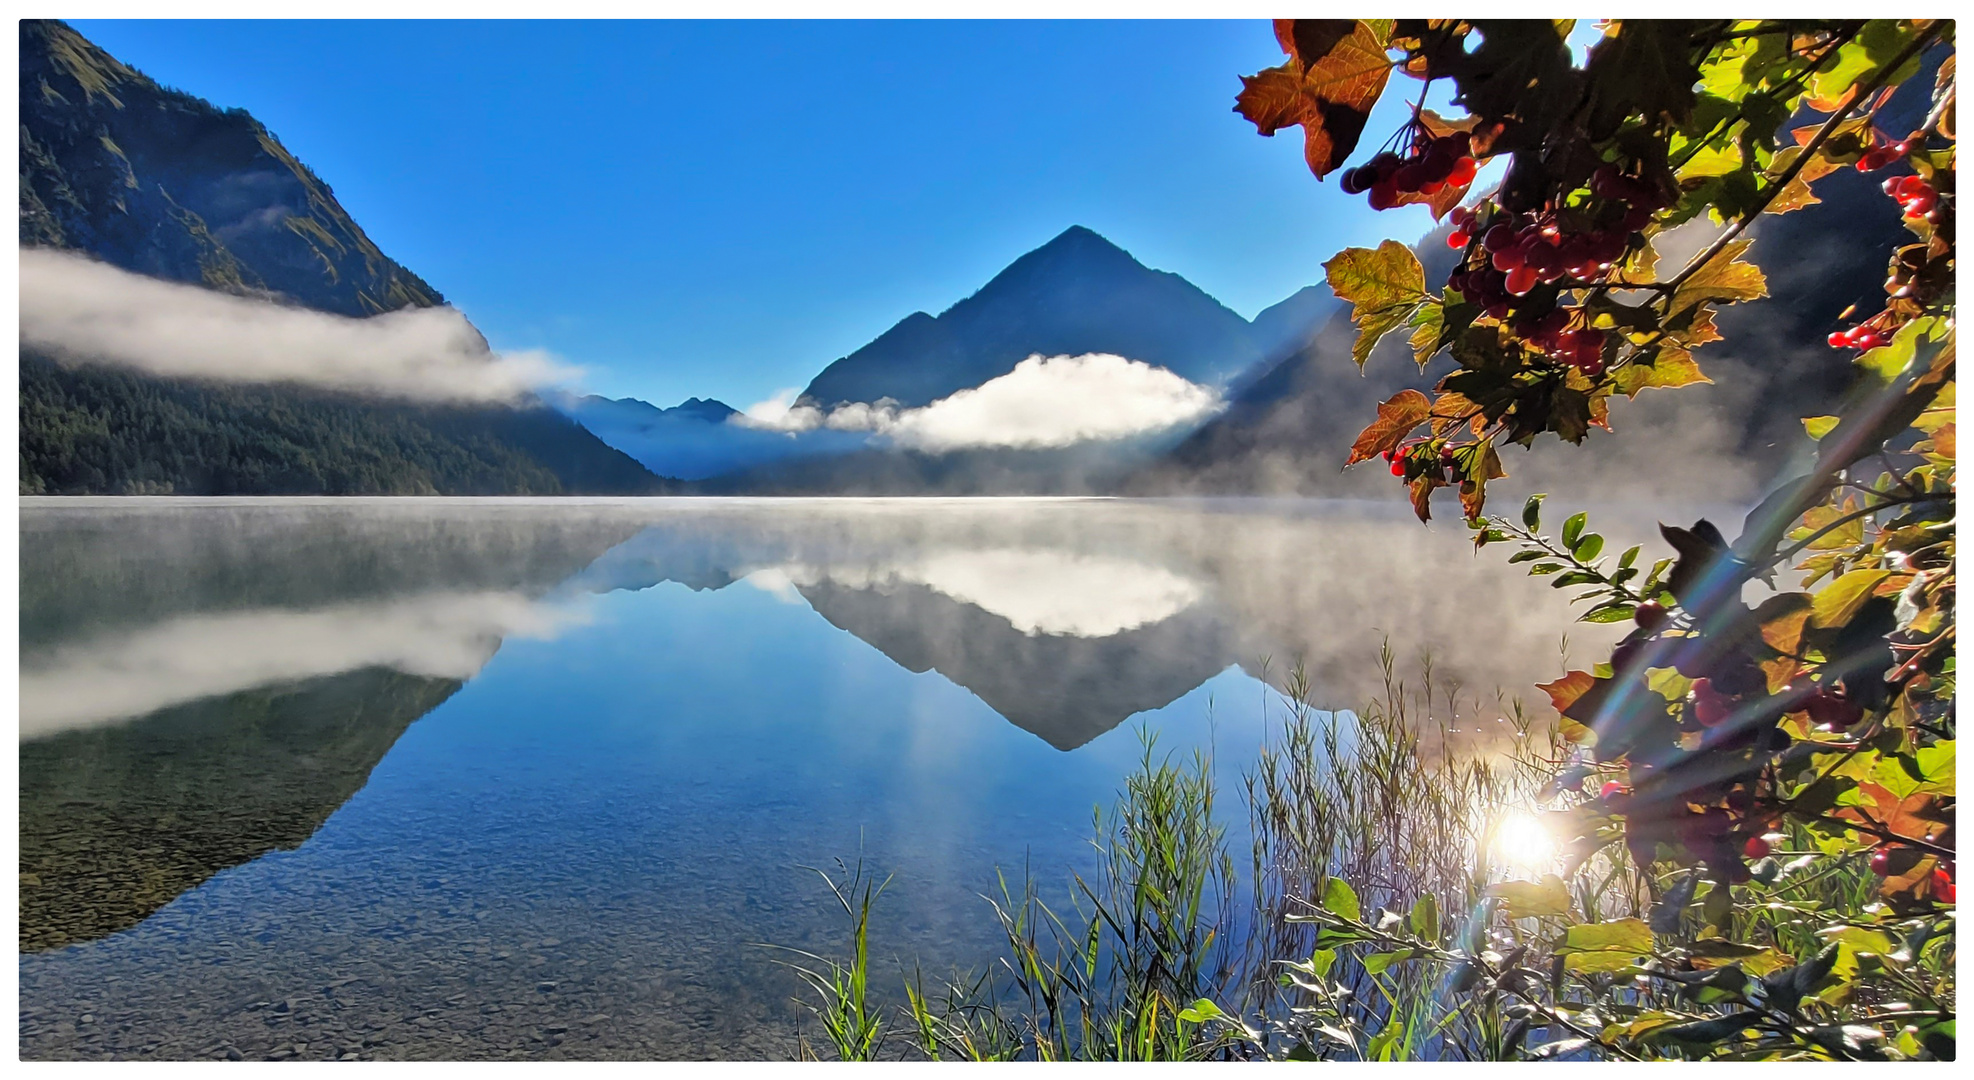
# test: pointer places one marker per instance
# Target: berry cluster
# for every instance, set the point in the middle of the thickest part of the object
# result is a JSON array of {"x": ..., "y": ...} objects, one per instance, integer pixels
[
  {"x": 1915, "y": 196},
  {"x": 1407, "y": 458},
  {"x": 1433, "y": 165},
  {"x": 1861, "y": 336},
  {"x": 1890, "y": 860},
  {"x": 1883, "y": 152},
  {"x": 1510, "y": 254}
]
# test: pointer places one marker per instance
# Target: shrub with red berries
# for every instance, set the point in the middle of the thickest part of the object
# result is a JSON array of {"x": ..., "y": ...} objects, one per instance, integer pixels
[{"x": 1737, "y": 742}]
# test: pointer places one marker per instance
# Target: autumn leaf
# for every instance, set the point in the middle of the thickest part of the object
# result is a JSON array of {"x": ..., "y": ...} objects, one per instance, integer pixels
[
  {"x": 1533, "y": 899},
  {"x": 1397, "y": 416},
  {"x": 1328, "y": 87},
  {"x": 1725, "y": 278},
  {"x": 1422, "y": 494},
  {"x": 1842, "y": 598},
  {"x": 1564, "y": 691},
  {"x": 1671, "y": 367},
  {"x": 1383, "y": 286},
  {"x": 1605, "y": 946}
]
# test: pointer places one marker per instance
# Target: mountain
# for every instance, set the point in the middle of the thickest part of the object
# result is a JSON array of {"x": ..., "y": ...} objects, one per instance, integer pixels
[
  {"x": 693, "y": 440},
  {"x": 1078, "y": 293},
  {"x": 162, "y": 183},
  {"x": 1289, "y": 430}
]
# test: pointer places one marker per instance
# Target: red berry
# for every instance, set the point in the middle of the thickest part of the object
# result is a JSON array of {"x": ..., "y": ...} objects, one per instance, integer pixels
[
  {"x": 1463, "y": 172},
  {"x": 1398, "y": 466},
  {"x": 1710, "y": 707},
  {"x": 1457, "y": 240},
  {"x": 1498, "y": 237},
  {"x": 1509, "y": 258},
  {"x": 1942, "y": 883},
  {"x": 1839, "y": 340},
  {"x": 1611, "y": 787},
  {"x": 1834, "y": 711},
  {"x": 1755, "y": 848},
  {"x": 1881, "y": 860},
  {"x": 1521, "y": 279},
  {"x": 1649, "y": 614},
  {"x": 1384, "y": 195}
]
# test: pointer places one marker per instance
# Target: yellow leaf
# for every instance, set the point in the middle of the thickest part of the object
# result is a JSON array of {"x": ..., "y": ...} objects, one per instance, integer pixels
[
  {"x": 1724, "y": 279},
  {"x": 1605, "y": 946},
  {"x": 1384, "y": 287},
  {"x": 1532, "y": 899},
  {"x": 1842, "y": 598},
  {"x": 1672, "y": 367}
]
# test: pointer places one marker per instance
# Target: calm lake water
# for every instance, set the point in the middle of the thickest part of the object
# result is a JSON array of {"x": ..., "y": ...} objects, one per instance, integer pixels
[{"x": 535, "y": 779}]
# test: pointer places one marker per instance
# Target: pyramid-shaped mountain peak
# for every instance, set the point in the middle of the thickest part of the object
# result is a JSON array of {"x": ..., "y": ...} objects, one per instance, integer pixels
[{"x": 1078, "y": 293}]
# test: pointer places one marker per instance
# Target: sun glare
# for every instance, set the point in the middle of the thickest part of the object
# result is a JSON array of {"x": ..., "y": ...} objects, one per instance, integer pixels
[{"x": 1523, "y": 841}]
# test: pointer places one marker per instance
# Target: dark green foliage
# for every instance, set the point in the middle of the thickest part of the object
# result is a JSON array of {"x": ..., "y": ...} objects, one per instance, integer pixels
[{"x": 102, "y": 431}]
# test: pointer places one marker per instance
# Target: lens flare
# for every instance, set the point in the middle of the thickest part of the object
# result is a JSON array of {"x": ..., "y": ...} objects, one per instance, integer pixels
[{"x": 1522, "y": 840}]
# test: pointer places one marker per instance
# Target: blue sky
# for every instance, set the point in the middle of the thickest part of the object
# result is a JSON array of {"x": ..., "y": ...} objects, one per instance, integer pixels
[{"x": 721, "y": 209}]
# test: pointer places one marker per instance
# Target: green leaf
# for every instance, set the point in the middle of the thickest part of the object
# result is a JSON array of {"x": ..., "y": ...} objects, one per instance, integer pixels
[
  {"x": 1935, "y": 768},
  {"x": 1587, "y": 548},
  {"x": 1533, "y": 899},
  {"x": 1376, "y": 963},
  {"x": 1384, "y": 288},
  {"x": 1605, "y": 946},
  {"x": 1201, "y": 1011},
  {"x": 1340, "y": 899},
  {"x": 1888, "y": 361},
  {"x": 1425, "y": 916},
  {"x": 1573, "y": 528},
  {"x": 1532, "y": 513},
  {"x": 1630, "y": 556},
  {"x": 1819, "y": 426}
]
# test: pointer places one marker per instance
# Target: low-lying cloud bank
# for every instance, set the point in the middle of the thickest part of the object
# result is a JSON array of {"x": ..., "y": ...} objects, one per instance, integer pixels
[
  {"x": 81, "y": 309},
  {"x": 1044, "y": 403}
]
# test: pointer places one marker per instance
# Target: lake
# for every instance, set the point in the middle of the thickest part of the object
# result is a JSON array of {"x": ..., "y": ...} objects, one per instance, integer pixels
[{"x": 450, "y": 778}]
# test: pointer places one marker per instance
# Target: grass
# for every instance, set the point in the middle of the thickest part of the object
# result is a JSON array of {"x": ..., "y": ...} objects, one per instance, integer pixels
[{"x": 1167, "y": 954}]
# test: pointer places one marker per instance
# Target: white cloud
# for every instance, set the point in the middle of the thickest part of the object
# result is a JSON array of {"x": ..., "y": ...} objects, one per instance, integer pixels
[
  {"x": 124, "y": 675},
  {"x": 1045, "y": 402},
  {"x": 91, "y": 311}
]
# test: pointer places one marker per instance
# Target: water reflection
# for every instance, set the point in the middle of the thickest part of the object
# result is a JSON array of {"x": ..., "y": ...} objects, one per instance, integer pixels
[{"x": 637, "y": 718}]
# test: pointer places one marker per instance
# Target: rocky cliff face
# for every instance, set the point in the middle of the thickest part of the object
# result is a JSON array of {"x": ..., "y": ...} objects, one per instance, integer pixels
[{"x": 166, "y": 184}]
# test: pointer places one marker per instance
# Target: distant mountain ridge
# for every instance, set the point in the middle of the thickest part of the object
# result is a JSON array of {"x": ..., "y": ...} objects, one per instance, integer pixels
[
  {"x": 163, "y": 183},
  {"x": 1078, "y": 293}
]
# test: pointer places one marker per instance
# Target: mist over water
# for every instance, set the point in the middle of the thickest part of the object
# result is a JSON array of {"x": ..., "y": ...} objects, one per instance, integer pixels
[{"x": 491, "y": 778}]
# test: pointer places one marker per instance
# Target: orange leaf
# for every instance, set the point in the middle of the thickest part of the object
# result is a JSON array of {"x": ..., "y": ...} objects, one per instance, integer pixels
[
  {"x": 1404, "y": 411},
  {"x": 1564, "y": 691},
  {"x": 1328, "y": 88},
  {"x": 1422, "y": 496}
]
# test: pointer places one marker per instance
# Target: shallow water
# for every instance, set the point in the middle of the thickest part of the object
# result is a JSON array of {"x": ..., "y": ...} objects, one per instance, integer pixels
[{"x": 537, "y": 778}]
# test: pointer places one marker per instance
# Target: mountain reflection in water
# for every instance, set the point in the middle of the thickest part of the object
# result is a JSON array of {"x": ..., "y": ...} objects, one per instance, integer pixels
[{"x": 207, "y": 681}]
